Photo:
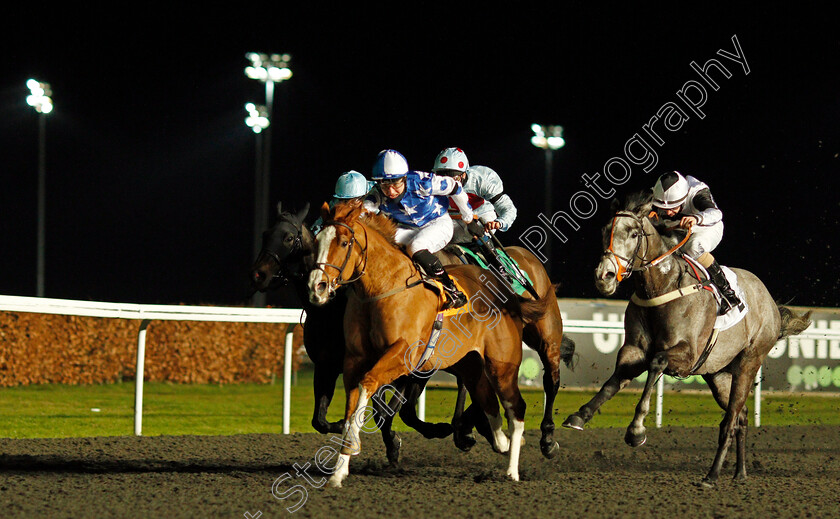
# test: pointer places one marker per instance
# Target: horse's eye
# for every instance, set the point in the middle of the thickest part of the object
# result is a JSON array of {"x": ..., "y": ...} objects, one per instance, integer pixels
[
  {"x": 634, "y": 234},
  {"x": 344, "y": 244},
  {"x": 288, "y": 239}
]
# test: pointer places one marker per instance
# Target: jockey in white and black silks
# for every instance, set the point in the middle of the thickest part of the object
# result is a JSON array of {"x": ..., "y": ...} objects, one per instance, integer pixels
[
  {"x": 485, "y": 190},
  {"x": 689, "y": 202},
  {"x": 418, "y": 201}
]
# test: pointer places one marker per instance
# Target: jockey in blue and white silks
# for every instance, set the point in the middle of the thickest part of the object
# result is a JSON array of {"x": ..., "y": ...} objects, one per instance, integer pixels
[
  {"x": 688, "y": 201},
  {"x": 419, "y": 203},
  {"x": 485, "y": 190}
]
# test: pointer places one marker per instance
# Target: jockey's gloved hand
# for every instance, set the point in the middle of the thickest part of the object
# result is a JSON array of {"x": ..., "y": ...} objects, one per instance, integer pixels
[{"x": 475, "y": 228}]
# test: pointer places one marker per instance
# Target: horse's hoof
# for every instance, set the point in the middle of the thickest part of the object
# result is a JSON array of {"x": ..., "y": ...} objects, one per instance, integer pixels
[
  {"x": 635, "y": 440},
  {"x": 438, "y": 430},
  {"x": 335, "y": 427},
  {"x": 550, "y": 450},
  {"x": 393, "y": 452},
  {"x": 574, "y": 422},
  {"x": 465, "y": 442},
  {"x": 705, "y": 483}
]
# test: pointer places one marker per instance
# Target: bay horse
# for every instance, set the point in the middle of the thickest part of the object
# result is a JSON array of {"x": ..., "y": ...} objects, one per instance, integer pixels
[
  {"x": 390, "y": 315},
  {"x": 544, "y": 336},
  {"x": 668, "y": 324},
  {"x": 286, "y": 257}
]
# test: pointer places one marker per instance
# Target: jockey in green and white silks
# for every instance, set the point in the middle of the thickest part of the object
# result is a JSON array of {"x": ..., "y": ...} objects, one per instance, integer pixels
[
  {"x": 485, "y": 190},
  {"x": 688, "y": 201},
  {"x": 419, "y": 203}
]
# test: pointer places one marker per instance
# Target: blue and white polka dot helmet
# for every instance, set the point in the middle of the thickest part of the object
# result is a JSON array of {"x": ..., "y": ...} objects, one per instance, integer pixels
[
  {"x": 390, "y": 165},
  {"x": 351, "y": 185}
]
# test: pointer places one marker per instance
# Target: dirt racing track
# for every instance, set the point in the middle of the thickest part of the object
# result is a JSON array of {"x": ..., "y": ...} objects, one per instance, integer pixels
[{"x": 794, "y": 472}]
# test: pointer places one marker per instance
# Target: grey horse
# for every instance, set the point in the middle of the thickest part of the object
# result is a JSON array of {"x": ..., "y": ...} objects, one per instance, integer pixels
[{"x": 669, "y": 324}]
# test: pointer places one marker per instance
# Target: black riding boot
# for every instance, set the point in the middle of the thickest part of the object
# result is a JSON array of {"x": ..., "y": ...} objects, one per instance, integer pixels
[
  {"x": 729, "y": 299},
  {"x": 433, "y": 267}
]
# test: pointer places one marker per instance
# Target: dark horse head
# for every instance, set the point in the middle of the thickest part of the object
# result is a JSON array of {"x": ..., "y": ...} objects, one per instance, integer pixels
[{"x": 287, "y": 251}]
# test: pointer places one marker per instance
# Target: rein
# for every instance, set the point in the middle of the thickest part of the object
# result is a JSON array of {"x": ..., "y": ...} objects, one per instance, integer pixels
[{"x": 629, "y": 269}]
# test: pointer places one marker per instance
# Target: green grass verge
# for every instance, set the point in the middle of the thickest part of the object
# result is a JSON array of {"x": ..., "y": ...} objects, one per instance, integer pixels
[{"x": 53, "y": 411}]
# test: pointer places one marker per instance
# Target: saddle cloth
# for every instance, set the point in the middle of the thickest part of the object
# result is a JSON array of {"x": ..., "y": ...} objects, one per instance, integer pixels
[
  {"x": 438, "y": 286},
  {"x": 735, "y": 314}
]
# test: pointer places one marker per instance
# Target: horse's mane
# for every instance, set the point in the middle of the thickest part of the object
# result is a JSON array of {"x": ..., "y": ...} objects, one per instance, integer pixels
[{"x": 380, "y": 223}]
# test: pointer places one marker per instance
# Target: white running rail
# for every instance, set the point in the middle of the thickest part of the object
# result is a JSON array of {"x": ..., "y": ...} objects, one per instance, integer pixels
[{"x": 148, "y": 313}]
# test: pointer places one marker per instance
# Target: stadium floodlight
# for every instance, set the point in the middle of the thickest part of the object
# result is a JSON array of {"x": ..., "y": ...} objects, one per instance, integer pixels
[
  {"x": 547, "y": 137},
  {"x": 39, "y": 99},
  {"x": 39, "y": 96},
  {"x": 257, "y": 118},
  {"x": 270, "y": 69},
  {"x": 550, "y": 139}
]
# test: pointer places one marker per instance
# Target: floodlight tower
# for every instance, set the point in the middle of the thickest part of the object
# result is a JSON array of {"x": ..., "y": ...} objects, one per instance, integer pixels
[
  {"x": 550, "y": 139},
  {"x": 39, "y": 99},
  {"x": 269, "y": 69}
]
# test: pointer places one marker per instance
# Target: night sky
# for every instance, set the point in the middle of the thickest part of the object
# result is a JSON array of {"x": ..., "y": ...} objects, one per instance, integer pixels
[{"x": 150, "y": 167}]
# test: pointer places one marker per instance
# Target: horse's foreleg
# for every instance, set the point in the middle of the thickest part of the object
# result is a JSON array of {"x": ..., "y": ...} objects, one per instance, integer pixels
[
  {"x": 325, "y": 377},
  {"x": 408, "y": 413},
  {"x": 630, "y": 364},
  {"x": 386, "y": 413},
  {"x": 635, "y": 435},
  {"x": 350, "y": 439}
]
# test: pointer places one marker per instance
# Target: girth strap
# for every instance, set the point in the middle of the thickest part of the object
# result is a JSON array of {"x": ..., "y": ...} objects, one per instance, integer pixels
[{"x": 669, "y": 296}]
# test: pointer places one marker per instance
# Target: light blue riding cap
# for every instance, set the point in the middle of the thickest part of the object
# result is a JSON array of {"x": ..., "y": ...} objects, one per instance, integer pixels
[{"x": 352, "y": 185}]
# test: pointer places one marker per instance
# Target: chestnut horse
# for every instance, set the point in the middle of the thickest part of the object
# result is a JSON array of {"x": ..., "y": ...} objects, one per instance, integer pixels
[
  {"x": 390, "y": 315},
  {"x": 286, "y": 257},
  {"x": 668, "y": 324}
]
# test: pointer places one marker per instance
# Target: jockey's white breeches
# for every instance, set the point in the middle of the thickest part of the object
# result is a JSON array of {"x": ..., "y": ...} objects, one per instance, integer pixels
[
  {"x": 703, "y": 239},
  {"x": 433, "y": 236}
]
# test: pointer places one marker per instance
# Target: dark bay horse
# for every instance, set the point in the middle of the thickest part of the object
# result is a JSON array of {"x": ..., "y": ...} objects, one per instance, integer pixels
[
  {"x": 389, "y": 318},
  {"x": 668, "y": 325},
  {"x": 287, "y": 256},
  {"x": 545, "y": 336}
]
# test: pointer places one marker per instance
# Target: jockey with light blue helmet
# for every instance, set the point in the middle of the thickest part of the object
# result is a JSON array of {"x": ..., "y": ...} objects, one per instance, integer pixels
[
  {"x": 418, "y": 201},
  {"x": 351, "y": 187}
]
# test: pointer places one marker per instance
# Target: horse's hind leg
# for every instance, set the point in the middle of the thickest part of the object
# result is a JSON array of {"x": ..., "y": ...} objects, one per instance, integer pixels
[
  {"x": 504, "y": 376},
  {"x": 720, "y": 384},
  {"x": 635, "y": 435},
  {"x": 544, "y": 338},
  {"x": 630, "y": 364}
]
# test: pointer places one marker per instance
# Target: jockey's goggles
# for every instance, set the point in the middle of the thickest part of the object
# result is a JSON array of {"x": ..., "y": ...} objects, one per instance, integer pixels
[{"x": 388, "y": 182}]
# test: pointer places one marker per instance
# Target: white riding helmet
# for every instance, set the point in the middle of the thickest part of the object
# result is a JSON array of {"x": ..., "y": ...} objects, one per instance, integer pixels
[
  {"x": 351, "y": 185},
  {"x": 390, "y": 165},
  {"x": 670, "y": 190},
  {"x": 451, "y": 161}
]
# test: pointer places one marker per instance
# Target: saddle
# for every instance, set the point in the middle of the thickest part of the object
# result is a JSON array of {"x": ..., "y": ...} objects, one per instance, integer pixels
[{"x": 476, "y": 254}]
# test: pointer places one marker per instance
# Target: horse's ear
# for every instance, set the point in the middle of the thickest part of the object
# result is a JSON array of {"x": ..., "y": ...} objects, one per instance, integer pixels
[
  {"x": 615, "y": 205},
  {"x": 645, "y": 205},
  {"x": 325, "y": 212},
  {"x": 279, "y": 208},
  {"x": 302, "y": 213}
]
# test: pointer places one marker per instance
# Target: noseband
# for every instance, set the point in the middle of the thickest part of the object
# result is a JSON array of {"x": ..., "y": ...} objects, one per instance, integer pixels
[
  {"x": 297, "y": 244},
  {"x": 629, "y": 268},
  {"x": 334, "y": 283}
]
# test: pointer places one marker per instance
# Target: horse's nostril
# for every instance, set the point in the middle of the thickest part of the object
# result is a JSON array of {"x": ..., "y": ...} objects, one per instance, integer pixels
[
  {"x": 320, "y": 287},
  {"x": 609, "y": 275}
]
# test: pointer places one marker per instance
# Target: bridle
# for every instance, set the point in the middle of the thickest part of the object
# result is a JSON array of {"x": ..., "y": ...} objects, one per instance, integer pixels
[
  {"x": 629, "y": 268},
  {"x": 297, "y": 245},
  {"x": 334, "y": 283}
]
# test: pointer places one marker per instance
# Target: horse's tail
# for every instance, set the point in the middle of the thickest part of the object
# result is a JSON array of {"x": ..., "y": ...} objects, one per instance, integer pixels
[
  {"x": 793, "y": 324},
  {"x": 533, "y": 310},
  {"x": 567, "y": 352}
]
